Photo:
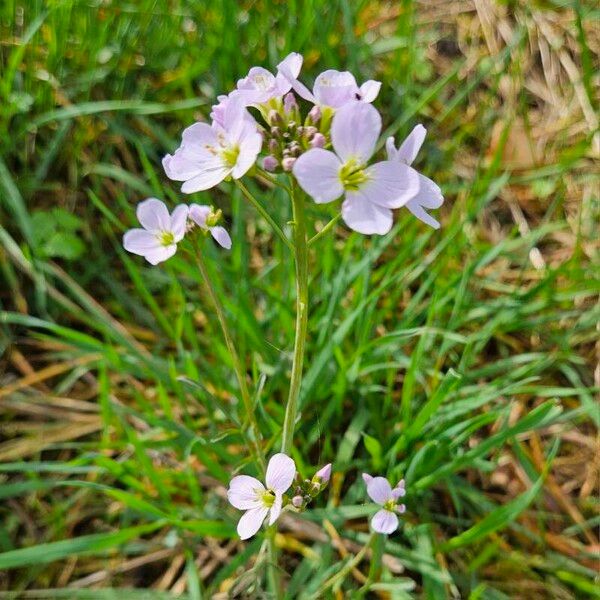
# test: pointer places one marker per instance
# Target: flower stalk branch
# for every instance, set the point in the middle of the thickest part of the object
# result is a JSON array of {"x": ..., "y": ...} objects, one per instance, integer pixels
[
  {"x": 235, "y": 359},
  {"x": 301, "y": 264}
]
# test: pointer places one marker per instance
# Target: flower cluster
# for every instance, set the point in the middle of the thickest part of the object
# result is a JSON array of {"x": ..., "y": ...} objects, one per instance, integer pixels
[
  {"x": 261, "y": 501},
  {"x": 328, "y": 151}
]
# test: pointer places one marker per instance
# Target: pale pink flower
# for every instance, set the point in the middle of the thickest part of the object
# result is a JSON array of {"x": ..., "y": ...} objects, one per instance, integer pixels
[
  {"x": 429, "y": 194},
  {"x": 334, "y": 88},
  {"x": 202, "y": 215},
  {"x": 161, "y": 232},
  {"x": 381, "y": 492},
  {"x": 370, "y": 191},
  {"x": 260, "y": 85},
  {"x": 210, "y": 153},
  {"x": 249, "y": 494}
]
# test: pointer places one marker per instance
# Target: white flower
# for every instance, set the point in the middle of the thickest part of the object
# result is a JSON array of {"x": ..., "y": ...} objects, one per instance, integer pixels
[
  {"x": 249, "y": 494},
  {"x": 381, "y": 492},
  {"x": 157, "y": 241},
  {"x": 203, "y": 216}
]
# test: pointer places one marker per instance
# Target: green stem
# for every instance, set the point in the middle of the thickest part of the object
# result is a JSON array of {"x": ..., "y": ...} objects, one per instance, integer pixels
[
  {"x": 259, "y": 207},
  {"x": 273, "y": 566},
  {"x": 325, "y": 230},
  {"x": 240, "y": 372},
  {"x": 301, "y": 262}
]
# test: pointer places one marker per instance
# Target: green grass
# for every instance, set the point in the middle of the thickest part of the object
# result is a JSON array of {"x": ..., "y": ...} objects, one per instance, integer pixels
[{"x": 445, "y": 357}]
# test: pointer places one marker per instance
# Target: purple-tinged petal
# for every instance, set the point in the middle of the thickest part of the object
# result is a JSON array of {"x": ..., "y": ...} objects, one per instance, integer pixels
[
  {"x": 198, "y": 136},
  {"x": 244, "y": 492},
  {"x": 390, "y": 184},
  {"x": 390, "y": 147},
  {"x": 367, "y": 478},
  {"x": 291, "y": 65},
  {"x": 317, "y": 172},
  {"x": 354, "y": 131},
  {"x": 199, "y": 213},
  {"x": 411, "y": 145},
  {"x": 369, "y": 90},
  {"x": 160, "y": 254},
  {"x": 384, "y": 521},
  {"x": 221, "y": 236},
  {"x": 153, "y": 215},
  {"x": 249, "y": 147},
  {"x": 429, "y": 194},
  {"x": 401, "y": 509},
  {"x": 398, "y": 492},
  {"x": 178, "y": 221},
  {"x": 281, "y": 471},
  {"x": 212, "y": 172},
  {"x": 251, "y": 521},
  {"x": 364, "y": 216},
  {"x": 275, "y": 509},
  {"x": 379, "y": 490},
  {"x": 418, "y": 211},
  {"x": 335, "y": 88},
  {"x": 140, "y": 241},
  {"x": 181, "y": 166}
]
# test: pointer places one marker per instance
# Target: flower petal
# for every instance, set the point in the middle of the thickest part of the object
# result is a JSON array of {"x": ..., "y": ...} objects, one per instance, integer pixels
[
  {"x": 243, "y": 492},
  {"x": 398, "y": 492},
  {"x": 221, "y": 236},
  {"x": 180, "y": 166},
  {"x": 429, "y": 194},
  {"x": 317, "y": 172},
  {"x": 211, "y": 173},
  {"x": 160, "y": 254},
  {"x": 379, "y": 490},
  {"x": 365, "y": 217},
  {"x": 369, "y": 90},
  {"x": 335, "y": 88},
  {"x": 280, "y": 473},
  {"x": 275, "y": 509},
  {"x": 390, "y": 148},
  {"x": 367, "y": 478},
  {"x": 179, "y": 221},
  {"x": 153, "y": 215},
  {"x": 198, "y": 136},
  {"x": 251, "y": 521},
  {"x": 291, "y": 64},
  {"x": 140, "y": 241},
  {"x": 199, "y": 213},
  {"x": 391, "y": 184},
  {"x": 411, "y": 145},
  {"x": 418, "y": 211},
  {"x": 354, "y": 131},
  {"x": 384, "y": 521},
  {"x": 249, "y": 147}
]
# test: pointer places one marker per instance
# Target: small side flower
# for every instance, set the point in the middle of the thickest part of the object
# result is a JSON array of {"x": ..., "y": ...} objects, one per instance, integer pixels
[
  {"x": 206, "y": 219},
  {"x": 259, "y": 501},
  {"x": 429, "y": 195},
  {"x": 160, "y": 233},
  {"x": 381, "y": 492}
]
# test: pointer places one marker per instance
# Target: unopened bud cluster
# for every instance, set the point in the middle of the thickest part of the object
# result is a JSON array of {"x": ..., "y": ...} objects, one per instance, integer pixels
[
  {"x": 306, "y": 490},
  {"x": 287, "y": 136}
]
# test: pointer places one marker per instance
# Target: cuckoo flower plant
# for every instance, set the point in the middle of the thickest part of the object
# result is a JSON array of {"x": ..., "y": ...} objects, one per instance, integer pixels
[{"x": 381, "y": 492}]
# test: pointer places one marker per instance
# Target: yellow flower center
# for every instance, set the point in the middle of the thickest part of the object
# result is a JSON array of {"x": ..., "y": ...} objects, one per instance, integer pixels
[
  {"x": 166, "y": 238},
  {"x": 352, "y": 175},
  {"x": 268, "y": 498},
  {"x": 390, "y": 505},
  {"x": 230, "y": 155}
]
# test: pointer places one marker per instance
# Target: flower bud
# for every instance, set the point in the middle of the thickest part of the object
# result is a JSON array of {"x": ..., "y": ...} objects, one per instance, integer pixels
[
  {"x": 275, "y": 132},
  {"x": 274, "y": 118},
  {"x": 270, "y": 163},
  {"x": 315, "y": 114},
  {"x": 273, "y": 146},
  {"x": 318, "y": 141},
  {"x": 322, "y": 475},
  {"x": 289, "y": 102},
  {"x": 309, "y": 131},
  {"x": 297, "y": 501},
  {"x": 288, "y": 163}
]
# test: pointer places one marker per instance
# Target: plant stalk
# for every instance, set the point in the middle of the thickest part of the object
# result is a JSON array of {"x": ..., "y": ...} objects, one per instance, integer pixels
[{"x": 301, "y": 263}]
